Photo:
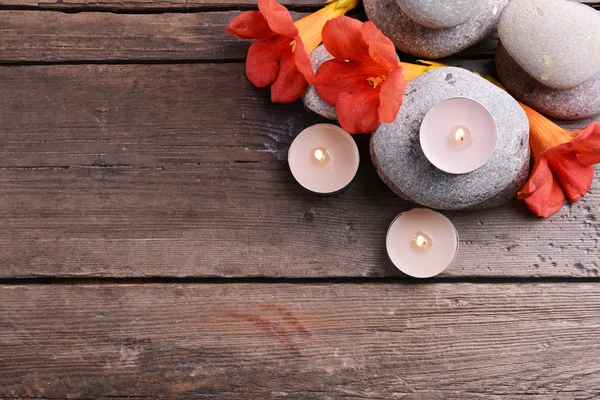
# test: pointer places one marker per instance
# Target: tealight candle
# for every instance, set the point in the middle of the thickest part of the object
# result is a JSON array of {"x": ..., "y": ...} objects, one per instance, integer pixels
[
  {"x": 421, "y": 243},
  {"x": 324, "y": 158},
  {"x": 458, "y": 135}
]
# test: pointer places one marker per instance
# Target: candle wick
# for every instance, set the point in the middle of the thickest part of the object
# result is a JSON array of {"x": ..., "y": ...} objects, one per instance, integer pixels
[
  {"x": 319, "y": 154},
  {"x": 460, "y": 135}
]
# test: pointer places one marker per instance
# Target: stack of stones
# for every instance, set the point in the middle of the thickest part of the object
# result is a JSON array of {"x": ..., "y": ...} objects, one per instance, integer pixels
[
  {"x": 432, "y": 28},
  {"x": 549, "y": 56}
]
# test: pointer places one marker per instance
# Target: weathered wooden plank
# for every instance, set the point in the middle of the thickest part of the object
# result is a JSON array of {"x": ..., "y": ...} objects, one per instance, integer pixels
[
  {"x": 42, "y": 36},
  {"x": 56, "y": 36},
  {"x": 244, "y": 220},
  {"x": 133, "y": 5},
  {"x": 301, "y": 341},
  {"x": 179, "y": 170}
]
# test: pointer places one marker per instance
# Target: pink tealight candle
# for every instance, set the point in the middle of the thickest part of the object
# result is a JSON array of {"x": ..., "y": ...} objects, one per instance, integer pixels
[
  {"x": 324, "y": 158},
  {"x": 421, "y": 243},
  {"x": 458, "y": 135}
]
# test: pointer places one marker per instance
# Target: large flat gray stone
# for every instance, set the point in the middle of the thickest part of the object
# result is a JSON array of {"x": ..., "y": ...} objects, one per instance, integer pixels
[
  {"x": 413, "y": 38},
  {"x": 580, "y": 102},
  {"x": 401, "y": 164},
  {"x": 556, "y": 41}
]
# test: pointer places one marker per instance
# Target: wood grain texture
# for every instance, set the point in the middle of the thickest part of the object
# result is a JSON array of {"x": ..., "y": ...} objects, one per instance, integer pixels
[
  {"x": 133, "y": 5},
  {"x": 180, "y": 170},
  {"x": 56, "y": 36},
  {"x": 42, "y": 36},
  {"x": 48, "y": 37},
  {"x": 240, "y": 341}
]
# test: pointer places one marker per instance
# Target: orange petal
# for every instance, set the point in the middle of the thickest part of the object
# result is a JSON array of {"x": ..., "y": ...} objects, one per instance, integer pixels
[
  {"x": 575, "y": 178},
  {"x": 262, "y": 64},
  {"x": 357, "y": 112},
  {"x": 335, "y": 77},
  {"x": 412, "y": 71},
  {"x": 391, "y": 95},
  {"x": 538, "y": 178},
  {"x": 250, "y": 25},
  {"x": 586, "y": 145},
  {"x": 278, "y": 17},
  {"x": 381, "y": 49},
  {"x": 542, "y": 193},
  {"x": 290, "y": 84},
  {"x": 303, "y": 62},
  {"x": 311, "y": 26},
  {"x": 343, "y": 39}
]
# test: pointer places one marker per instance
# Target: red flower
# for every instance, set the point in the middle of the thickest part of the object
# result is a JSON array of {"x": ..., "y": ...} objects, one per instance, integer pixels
[
  {"x": 364, "y": 81},
  {"x": 279, "y": 56},
  {"x": 563, "y": 164}
]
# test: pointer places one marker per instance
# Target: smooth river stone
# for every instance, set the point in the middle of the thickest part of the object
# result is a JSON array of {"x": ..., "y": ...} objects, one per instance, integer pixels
[
  {"x": 432, "y": 14},
  {"x": 416, "y": 39},
  {"x": 580, "y": 102},
  {"x": 311, "y": 99},
  {"x": 401, "y": 164},
  {"x": 556, "y": 41}
]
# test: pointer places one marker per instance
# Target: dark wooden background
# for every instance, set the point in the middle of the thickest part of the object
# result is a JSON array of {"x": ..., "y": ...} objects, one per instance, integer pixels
[{"x": 154, "y": 244}]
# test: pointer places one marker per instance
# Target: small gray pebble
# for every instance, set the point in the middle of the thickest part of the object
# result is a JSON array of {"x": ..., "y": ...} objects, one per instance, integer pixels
[
  {"x": 556, "y": 41},
  {"x": 432, "y": 14},
  {"x": 311, "y": 99},
  {"x": 418, "y": 40},
  {"x": 579, "y": 102},
  {"x": 401, "y": 164}
]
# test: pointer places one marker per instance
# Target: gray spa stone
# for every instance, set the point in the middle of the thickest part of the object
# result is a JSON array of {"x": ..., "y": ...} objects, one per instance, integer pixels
[
  {"x": 416, "y": 39},
  {"x": 432, "y": 14},
  {"x": 556, "y": 41},
  {"x": 580, "y": 102},
  {"x": 311, "y": 99},
  {"x": 401, "y": 164}
]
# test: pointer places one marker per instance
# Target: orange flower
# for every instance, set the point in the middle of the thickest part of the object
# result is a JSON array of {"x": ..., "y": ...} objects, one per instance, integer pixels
[
  {"x": 563, "y": 163},
  {"x": 280, "y": 53},
  {"x": 364, "y": 81}
]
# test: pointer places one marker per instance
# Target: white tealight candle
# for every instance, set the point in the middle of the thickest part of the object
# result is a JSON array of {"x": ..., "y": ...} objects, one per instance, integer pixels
[
  {"x": 421, "y": 243},
  {"x": 458, "y": 135},
  {"x": 324, "y": 158}
]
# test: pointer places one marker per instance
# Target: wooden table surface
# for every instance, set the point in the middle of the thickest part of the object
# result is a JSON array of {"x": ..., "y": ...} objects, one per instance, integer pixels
[{"x": 153, "y": 243}]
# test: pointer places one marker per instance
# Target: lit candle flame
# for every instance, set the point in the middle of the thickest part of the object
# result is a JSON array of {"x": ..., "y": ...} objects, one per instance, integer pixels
[
  {"x": 319, "y": 154},
  {"x": 460, "y": 134},
  {"x": 421, "y": 241}
]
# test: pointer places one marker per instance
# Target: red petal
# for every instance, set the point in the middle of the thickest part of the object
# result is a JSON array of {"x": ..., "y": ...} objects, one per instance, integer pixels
[
  {"x": 303, "y": 62},
  {"x": 278, "y": 17},
  {"x": 343, "y": 39},
  {"x": 542, "y": 193},
  {"x": 538, "y": 178},
  {"x": 335, "y": 77},
  {"x": 381, "y": 49},
  {"x": 250, "y": 25},
  {"x": 575, "y": 178},
  {"x": 391, "y": 96},
  {"x": 587, "y": 144},
  {"x": 290, "y": 84},
  {"x": 357, "y": 112},
  {"x": 262, "y": 64}
]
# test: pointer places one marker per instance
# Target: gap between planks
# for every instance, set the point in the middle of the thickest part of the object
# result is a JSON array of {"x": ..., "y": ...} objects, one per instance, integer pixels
[{"x": 400, "y": 280}]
